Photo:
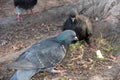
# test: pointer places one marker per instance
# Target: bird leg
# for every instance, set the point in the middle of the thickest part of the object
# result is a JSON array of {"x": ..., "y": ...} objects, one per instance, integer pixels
[
  {"x": 19, "y": 18},
  {"x": 19, "y": 11}
]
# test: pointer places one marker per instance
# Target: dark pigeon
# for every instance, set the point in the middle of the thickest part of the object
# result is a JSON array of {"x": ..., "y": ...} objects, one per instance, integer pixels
[
  {"x": 42, "y": 56},
  {"x": 81, "y": 25},
  {"x": 24, "y": 4}
]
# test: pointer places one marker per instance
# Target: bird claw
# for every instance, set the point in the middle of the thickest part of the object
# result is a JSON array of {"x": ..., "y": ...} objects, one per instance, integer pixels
[
  {"x": 58, "y": 71},
  {"x": 93, "y": 46},
  {"x": 33, "y": 12}
]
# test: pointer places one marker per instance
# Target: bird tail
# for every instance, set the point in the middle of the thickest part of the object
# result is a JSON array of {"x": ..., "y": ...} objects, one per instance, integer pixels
[{"x": 23, "y": 74}]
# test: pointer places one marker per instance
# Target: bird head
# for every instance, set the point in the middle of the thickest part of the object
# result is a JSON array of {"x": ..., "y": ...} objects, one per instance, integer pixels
[
  {"x": 73, "y": 14},
  {"x": 67, "y": 36}
]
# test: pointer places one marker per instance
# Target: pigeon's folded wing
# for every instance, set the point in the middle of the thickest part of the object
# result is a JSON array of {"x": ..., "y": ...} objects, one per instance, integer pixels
[
  {"x": 22, "y": 64},
  {"x": 48, "y": 57},
  {"x": 44, "y": 58}
]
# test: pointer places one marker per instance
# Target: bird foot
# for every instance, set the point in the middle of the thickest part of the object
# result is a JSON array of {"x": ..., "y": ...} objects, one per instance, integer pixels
[
  {"x": 58, "y": 71},
  {"x": 93, "y": 46},
  {"x": 19, "y": 18},
  {"x": 33, "y": 12}
]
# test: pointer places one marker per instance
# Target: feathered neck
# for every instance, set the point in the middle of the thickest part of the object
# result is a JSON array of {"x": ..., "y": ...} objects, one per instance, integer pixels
[{"x": 61, "y": 41}]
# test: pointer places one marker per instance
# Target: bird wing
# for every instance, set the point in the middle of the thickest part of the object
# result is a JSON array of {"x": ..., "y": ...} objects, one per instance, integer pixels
[
  {"x": 49, "y": 57},
  {"x": 86, "y": 24},
  {"x": 89, "y": 27},
  {"x": 22, "y": 64},
  {"x": 16, "y": 2},
  {"x": 40, "y": 56}
]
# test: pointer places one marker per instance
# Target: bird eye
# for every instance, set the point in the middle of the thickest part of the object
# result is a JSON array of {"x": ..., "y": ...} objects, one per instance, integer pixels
[{"x": 72, "y": 36}]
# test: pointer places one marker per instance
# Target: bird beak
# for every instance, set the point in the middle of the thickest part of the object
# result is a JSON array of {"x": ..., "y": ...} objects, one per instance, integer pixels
[
  {"x": 75, "y": 38},
  {"x": 73, "y": 19}
]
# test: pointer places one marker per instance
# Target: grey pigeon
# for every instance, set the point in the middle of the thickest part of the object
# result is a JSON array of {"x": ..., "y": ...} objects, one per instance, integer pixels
[
  {"x": 24, "y": 4},
  {"x": 81, "y": 25},
  {"x": 42, "y": 56}
]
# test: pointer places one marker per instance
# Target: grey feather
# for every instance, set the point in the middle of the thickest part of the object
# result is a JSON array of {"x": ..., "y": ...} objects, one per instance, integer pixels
[{"x": 23, "y": 74}]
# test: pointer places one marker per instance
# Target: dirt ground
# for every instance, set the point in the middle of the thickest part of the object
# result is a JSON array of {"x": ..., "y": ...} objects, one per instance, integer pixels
[{"x": 80, "y": 62}]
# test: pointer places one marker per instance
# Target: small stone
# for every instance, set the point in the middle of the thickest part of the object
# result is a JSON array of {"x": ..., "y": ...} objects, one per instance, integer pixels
[{"x": 99, "y": 54}]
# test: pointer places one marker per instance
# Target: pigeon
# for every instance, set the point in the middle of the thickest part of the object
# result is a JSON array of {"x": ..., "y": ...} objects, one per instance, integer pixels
[
  {"x": 81, "y": 25},
  {"x": 44, "y": 55},
  {"x": 24, "y": 4}
]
